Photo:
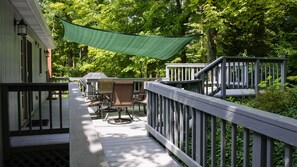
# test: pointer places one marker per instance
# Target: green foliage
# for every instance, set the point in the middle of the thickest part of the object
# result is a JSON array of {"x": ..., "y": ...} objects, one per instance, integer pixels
[
  {"x": 276, "y": 100},
  {"x": 292, "y": 80},
  {"x": 235, "y": 27}
]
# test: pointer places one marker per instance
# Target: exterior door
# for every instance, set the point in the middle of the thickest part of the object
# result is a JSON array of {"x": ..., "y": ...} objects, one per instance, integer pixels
[{"x": 26, "y": 77}]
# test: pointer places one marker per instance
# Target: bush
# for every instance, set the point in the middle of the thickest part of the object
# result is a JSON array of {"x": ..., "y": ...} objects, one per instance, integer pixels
[
  {"x": 274, "y": 99},
  {"x": 292, "y": 80}
]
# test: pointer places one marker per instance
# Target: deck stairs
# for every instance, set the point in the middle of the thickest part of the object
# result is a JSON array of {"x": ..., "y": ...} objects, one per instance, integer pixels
[{"x": 230, "y": 76}]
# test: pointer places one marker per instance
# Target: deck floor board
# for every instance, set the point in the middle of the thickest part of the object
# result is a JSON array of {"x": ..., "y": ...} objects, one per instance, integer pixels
[{"x": 128, "y": 145}]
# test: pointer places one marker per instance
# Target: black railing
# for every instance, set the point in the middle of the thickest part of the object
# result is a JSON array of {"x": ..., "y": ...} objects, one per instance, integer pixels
[{"x": 30, "y": 109}]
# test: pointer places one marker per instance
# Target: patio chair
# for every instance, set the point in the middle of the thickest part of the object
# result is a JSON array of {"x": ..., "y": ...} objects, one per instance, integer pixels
[
  {"x": 102, "y": 93},
  {"x": 122, "y": 97},
  {"x": 105, "y": 87},
  {"x": 140, "y": 99}
]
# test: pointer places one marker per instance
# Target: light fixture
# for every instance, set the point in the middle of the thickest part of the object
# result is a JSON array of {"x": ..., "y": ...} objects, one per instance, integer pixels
[
  {"x": 46, "y": 52},
  {"x": 22, "y": 27}
]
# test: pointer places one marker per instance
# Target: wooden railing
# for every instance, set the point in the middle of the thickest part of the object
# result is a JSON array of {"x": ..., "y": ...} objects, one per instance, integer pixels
[
  {"x": 205, "y": 131},
  {"x": 22, "y": 102},
  {"x": 182, "y": 71},
  {"x": 240, "y": 73},
  {"x": 190, "y": 85}
]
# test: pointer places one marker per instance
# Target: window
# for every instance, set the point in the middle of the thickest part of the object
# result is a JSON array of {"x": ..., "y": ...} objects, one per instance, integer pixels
[{"x": 40, "y": 61}]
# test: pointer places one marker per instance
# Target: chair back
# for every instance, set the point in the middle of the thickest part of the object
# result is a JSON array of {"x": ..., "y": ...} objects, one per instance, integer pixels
[
  {"x": 105, "y": 85},
  {"x": 122, "y": 94}
]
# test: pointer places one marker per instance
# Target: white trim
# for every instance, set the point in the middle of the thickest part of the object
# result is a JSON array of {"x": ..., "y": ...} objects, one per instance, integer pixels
[{"x": 30, "y": 11}]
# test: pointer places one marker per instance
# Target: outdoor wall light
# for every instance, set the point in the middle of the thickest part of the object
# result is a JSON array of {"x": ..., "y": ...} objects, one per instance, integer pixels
[
  {"x": 22, "y": 27},
  {"x": 46, "y": 52}
]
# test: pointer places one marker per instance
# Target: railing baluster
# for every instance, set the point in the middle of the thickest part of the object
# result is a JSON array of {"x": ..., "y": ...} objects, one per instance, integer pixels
[
  {"x": 182, "y": 126},
  {"x": 19, "y": 110},
  {"x": 161, "y": 122},
  {"x": 269, "y": 150},
  {"x": 39, "y": 109},
  {"x": 204, "y": 139},
  {"x": 253, "y": 75},
  {"x": 149, "y": 108},
  {"x": 223, "y": 79},
  {"x": 193, "y": 133},
  {"x": 288, "y": 156},
  {"x": 212, "y": 81},
  {"x": 223, "y": 143},
  {"x": 229, "y": 74},
  {"x": 198, "y": 137},
  {"x": 259, "y": 151},
  {"x": 233, "y": 145},
  {"x": 234, "y": 74},
  {"x": 242, "y": 67},
  {"x": 213, "y": 141},
  {"x": 182, "y": 74},
  {"x": 155, "y": 112},
  {"x": 60, "y": 109},
  {"x": 277, "y": 71},
  {"x": 50, "y": 110},
  {"x": 171, "y": 118},
  {"x": 247, "y": 75},
  {"x": 257, "y": 76},
  {"x": 283, "y": 74},
  {"x": 176, "y": 122},
  {"x": 187, "y": 138},
  {"x": 238, "y": 74},
  {"x": 30, "y": 101},
  {"x": 166, "y": 117},
  {"x": 246, "y": 147}
]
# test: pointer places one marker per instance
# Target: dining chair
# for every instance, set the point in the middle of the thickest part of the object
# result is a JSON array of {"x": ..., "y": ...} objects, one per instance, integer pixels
[
  {"x": 122, "y": 97},
  {"x": 102, "y": 90},
  {"x": 105, "y": 87}
]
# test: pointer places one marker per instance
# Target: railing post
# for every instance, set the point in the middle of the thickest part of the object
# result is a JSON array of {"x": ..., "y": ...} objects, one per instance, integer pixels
[
  {"x": 257, "y": 75},
  {"x": 5, "y": 123},
  {"x": 203, "y": 84},
  {"x": 167, "y": 72},
  {"x": 223, "y": 79}
]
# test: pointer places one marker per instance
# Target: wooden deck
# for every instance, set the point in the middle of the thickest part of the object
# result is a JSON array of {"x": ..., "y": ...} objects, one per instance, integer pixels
[{"x": 128, "y": 144}]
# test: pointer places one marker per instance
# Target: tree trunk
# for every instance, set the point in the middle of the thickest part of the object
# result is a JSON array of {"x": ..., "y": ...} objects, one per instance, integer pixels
[{"x": 212, "y": 45}]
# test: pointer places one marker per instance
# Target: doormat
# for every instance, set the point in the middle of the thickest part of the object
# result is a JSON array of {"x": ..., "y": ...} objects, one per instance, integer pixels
[{"x": 36, "y": 123}]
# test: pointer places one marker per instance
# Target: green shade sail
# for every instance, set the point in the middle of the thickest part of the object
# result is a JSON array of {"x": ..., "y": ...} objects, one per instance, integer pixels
[{"x": 153, "y": 46}]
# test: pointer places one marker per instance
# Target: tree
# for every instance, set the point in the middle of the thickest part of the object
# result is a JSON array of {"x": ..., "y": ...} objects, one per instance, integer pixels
[{"x": 258, "y": 28}]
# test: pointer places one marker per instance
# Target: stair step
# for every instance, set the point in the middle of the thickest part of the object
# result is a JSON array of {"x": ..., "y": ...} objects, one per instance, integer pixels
[{"x": 237, "y": 92}]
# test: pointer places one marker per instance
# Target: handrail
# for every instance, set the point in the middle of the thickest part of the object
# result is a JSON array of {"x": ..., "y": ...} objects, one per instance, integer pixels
[
  {"x": 180, "y": 120},
  {"x": 191, "y": 85},
  {"x": 209, "y": 66}
]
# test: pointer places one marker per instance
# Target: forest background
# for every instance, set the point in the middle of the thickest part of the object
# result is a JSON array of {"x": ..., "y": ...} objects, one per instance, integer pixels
[{"x": 261, "y": 28}]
